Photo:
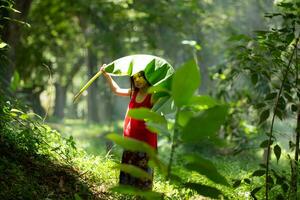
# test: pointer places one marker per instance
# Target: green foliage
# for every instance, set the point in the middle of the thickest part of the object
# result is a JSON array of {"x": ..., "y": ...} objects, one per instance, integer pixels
[
  {"x": 204, "y": 125},
  {"x": 185, "y": 82},
  {"x": 36, "y": 162},
  {"x": 206, "y": 168},
  {"x": 205, "y": 190},
  {"x": 269, "y": 63}
]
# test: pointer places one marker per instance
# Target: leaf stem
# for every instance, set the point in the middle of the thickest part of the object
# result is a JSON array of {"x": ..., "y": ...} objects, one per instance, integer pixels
[
  {"x": 273, "y": 119},
  {"x": 174, "y": 142}
]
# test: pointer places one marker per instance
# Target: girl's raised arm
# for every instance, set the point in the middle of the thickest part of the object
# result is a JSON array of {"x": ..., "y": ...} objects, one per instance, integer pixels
[{"x": 114, "y": 86}]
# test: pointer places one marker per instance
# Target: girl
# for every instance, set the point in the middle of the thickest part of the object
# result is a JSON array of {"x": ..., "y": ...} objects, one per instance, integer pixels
[{"x": 135, "y": 129}]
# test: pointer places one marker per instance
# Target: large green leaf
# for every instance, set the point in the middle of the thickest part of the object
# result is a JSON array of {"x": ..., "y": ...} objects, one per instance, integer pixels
[
  {"x": 164, "y": 105},
  {"x": 205, "y": 167},
  {"x": 136, "y": 145},
  {"x": 133, "y": 170},
  {"x": 204, "y": 190},
  {"x": 157, "y": 122},
  {"x": 156, "y": 69},
  {"x": 205, "y": 124},
  {"x": 184, "y": 116},
  {"x": 186, "y": 81},
  {"x": 161, "y": 129},
  {"x": 147, "y": 115}
]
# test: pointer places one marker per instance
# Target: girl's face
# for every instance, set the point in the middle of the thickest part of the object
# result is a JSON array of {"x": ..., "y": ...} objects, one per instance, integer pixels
[{"x": 139, "y": 81}]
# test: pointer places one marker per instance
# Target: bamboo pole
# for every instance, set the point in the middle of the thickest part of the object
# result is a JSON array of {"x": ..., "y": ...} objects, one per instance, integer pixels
[{"x": 75, "y": 99}]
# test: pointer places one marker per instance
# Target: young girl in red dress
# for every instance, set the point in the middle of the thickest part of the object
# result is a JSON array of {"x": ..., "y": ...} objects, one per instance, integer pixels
[{"x": 135, "y": 129}]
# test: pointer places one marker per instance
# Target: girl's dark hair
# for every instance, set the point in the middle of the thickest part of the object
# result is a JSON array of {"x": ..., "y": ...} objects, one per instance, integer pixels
[{"x": 132, "y": 87}]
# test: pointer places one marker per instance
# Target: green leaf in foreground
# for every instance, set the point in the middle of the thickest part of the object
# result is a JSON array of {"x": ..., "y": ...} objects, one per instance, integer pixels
[
  {"x": 149, "y": 195},
  {"x": 185, "y": 82},
  {"x": 146, "y": 114},
  {"x": 203, "y": 102},
  {"x": 206, "y": 168},
  {"x": 136, "y": 145},
  {"x": 133, "y": 170},
  {"x": 205, "y": 125},
  {"x": 277, "y": 151},
  {"x": 204, "y": 190},
  {"x": 2, "y": 45}
]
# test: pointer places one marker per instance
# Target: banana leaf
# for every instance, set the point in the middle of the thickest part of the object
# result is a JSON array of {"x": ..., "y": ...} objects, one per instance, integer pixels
[{"x": 158, "y": 71}]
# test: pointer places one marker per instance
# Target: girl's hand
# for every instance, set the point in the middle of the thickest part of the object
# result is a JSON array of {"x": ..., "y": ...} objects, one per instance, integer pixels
[{"x": 102, "y": 69}]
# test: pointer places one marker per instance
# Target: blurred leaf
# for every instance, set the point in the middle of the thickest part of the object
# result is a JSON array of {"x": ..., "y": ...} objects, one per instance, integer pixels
[
  {"x": 136, "y": 145},
  {"x": 164, "y": 105},
  {"x": 260, "y": 105},
  {"x": 264, "y": 116},
  {"x": 279, "y": 113},
  {"x": 277, "y": 151},
  {"x": 158, "y": 128},
  {"x": 247, "y": 180},
  {"x": 24, "y": 116},
  {"x": 185, "y": 82},
  {"x": 77, "y": 197},
  {"x": 175, "y": 178},
  {"x": 2, "y": 45},
  {"x": 15, "y": 81},
  {"x": 32, "y": 114},
  {"x": 294, "y": 108},
  {"x": 205, "y": 167},
  {"x": 237, "y": 183},
  {"x": 134, "y": 171},
  {"x": 265, "y": 143},
  {"x": 184, "y": 116},
  {"x": 254, "y": 191},
  {"x": 204, "y": 190},
  {"x": 271, "y": 96},
  {"x": 129, "y": 71},
  {"x": 271, "y": 181},
  {"x": 254, "y": 78},
  {"x": 10, "y": 8},
  {"x": 16, "y": 111},
  {"x": 146, "y": 114},
  {"x": 204, "y": 125},
  {"x": 259, "y": 172}
]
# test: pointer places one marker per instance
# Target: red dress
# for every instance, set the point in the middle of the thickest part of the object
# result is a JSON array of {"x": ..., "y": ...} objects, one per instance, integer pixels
[{"x": 137, "y": 129}]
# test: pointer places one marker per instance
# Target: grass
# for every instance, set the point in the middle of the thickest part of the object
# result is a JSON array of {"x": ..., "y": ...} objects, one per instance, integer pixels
[
  {"x": 91, "y": 138},
  {"x": 72, "y": 163}
]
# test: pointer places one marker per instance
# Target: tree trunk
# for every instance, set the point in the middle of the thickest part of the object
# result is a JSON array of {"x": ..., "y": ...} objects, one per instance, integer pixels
[
  {"x": 32, "y": 95},
  {"x": 61, "y": 90},
  {"x": 60, "y": 101},
  {"x": 36, "y": 104},
  {"x": 93, "y": 89}
]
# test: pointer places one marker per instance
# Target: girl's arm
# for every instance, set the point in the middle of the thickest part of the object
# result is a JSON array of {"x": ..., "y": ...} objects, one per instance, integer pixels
[{"x": 114, "y": 86}]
